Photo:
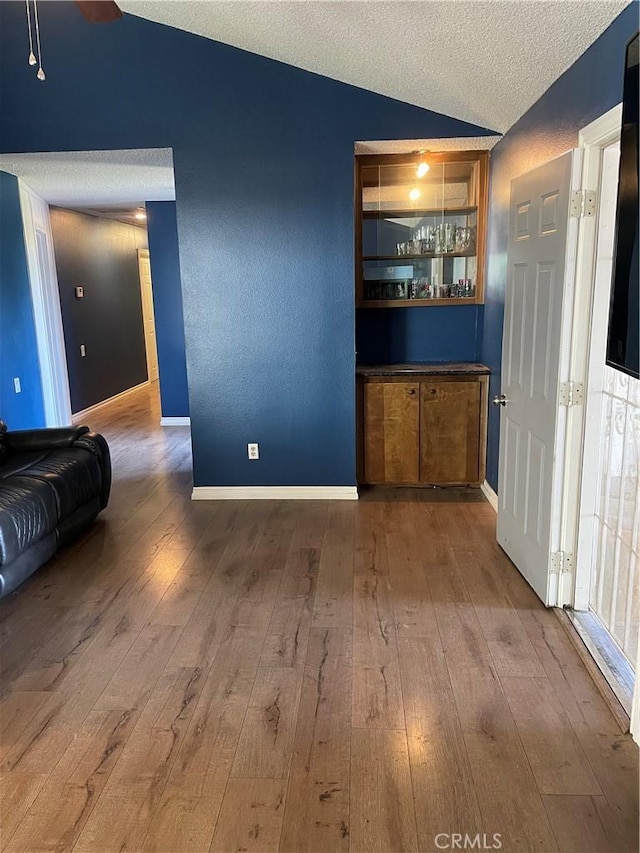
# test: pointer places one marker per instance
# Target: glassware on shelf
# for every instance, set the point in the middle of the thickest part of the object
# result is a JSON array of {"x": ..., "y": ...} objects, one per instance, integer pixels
[
  {"x": 445, "y": 238},
  {"x": 385, "y": 290},
  {"x": 465, "y": 239},
  {"x": 448, "y": 237},
  {"x": 431, "y": 238},
  {"x": 464, "y": 288},
  {"x": 420, "y": 289}
]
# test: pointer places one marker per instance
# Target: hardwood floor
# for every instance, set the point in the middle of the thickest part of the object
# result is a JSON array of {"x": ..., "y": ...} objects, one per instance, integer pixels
[{"x": 295, "y": 676}]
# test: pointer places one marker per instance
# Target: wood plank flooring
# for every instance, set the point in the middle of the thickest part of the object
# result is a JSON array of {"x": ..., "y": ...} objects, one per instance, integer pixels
[{"x": 296, "y": 676}]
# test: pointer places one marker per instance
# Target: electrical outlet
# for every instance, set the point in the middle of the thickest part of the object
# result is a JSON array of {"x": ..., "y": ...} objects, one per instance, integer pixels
[
  {"x": 253, "y": 451},
  {"x": 16, "y": 384},
  {"x": 83, "y": 350},
  {"x": 79, "y": 292}
]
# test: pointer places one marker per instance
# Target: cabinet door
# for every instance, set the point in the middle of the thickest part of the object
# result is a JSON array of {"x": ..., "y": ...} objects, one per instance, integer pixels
[
  {"x": 391, "y": 432},
  {"x": 450, "y": 432}
]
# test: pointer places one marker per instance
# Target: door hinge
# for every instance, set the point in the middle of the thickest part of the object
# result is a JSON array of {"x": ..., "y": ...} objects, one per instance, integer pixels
[
  {"x": 561, "y": 563},
  {"x": 583, "y": 203},
  {"x": 571, "y": 394}
]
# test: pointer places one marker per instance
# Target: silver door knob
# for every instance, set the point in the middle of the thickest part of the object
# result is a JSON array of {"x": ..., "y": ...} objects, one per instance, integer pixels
[{"x": 500, "y": 401}]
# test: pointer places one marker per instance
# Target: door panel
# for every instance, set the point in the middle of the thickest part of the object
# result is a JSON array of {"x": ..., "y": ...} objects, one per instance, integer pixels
[
  {"x": 391, "y": 430},
  {"x": 541, "y": 250},
  {"x": 450, "y": 432},
  {"x": 512, "y": 456}
]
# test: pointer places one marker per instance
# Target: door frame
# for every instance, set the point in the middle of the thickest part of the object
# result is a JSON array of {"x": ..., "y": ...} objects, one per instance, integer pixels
[
  {"x": 592, "y": 140},
  {"x": 144, "y": 253}
]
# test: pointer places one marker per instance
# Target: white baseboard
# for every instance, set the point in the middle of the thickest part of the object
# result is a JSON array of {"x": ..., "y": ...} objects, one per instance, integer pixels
[
  {"x": 635, "y": 713},
  {"x": 175, "y": 421},
  {"x": 280, "y": 493},
  {"x": 96, "y": 408},
  {"x": 490, "y": 495}
]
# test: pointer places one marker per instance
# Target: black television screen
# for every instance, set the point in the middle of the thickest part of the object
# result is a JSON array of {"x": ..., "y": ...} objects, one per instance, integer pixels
[{"x": 623, "y": 345}]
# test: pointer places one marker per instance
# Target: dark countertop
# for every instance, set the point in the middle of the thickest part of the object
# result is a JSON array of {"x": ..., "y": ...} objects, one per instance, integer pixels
[{"x": 424, "y": 369}]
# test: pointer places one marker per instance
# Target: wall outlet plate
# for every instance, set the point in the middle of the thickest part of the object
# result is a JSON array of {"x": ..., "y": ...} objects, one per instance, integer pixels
[
  {"x": 79, "y": 292},
  {"x": 253, "y": 451}
]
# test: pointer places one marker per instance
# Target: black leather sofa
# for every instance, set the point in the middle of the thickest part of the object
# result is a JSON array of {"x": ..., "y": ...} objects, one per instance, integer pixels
[{"x": 53, "y": 483}]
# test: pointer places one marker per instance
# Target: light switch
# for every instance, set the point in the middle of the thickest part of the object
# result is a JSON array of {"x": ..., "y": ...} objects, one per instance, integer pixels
[
  {"x": 79, "y": 292},
  {"x": 83, "y": 350},
  {"x": 17, "y": 386}
]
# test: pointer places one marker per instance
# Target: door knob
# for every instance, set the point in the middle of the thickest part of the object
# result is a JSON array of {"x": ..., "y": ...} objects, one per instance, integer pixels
[{"x": 500, "y": 401}]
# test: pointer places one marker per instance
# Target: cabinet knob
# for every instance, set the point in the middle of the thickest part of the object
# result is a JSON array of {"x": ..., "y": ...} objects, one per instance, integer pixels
[{"x": 412, "y": 392}]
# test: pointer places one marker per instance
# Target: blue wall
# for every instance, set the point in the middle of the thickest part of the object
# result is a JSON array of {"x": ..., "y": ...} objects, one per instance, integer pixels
[
  {"x": 587, "y": 90},
  {"x": 18, "y": 348},
  {"x": 263, "y": 157},
  {"x": 391, "y": 335},
  {"x": 162, "y": 232}
]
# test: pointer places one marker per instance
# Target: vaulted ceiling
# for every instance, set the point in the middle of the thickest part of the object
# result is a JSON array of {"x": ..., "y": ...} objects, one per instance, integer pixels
[{"x": 483, "y": 61}]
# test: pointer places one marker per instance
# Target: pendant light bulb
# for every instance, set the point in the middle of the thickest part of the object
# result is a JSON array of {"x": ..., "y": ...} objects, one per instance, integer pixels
[
  {"x": 422, "y": 169},
  {"x": 32, "y": 59},
  {"x": 40, "y": 75}
]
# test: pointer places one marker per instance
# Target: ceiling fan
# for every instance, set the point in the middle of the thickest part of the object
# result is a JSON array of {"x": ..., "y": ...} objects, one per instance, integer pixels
[
  {"x": 99, "y": 11},
  {"x": 93, "y": 11}
]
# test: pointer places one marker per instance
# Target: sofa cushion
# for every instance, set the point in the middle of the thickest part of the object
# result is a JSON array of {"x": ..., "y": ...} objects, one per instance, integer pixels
[
  {"x": 15, "y": 463},
  {"x": 72, "y": 474},
  {"x": 27, "y": 513}
]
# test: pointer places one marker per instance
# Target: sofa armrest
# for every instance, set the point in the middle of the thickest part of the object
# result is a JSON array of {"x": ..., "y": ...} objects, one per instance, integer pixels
[
  {"x": 21, "y": 441},
  {"x": 96, "y": 444}
]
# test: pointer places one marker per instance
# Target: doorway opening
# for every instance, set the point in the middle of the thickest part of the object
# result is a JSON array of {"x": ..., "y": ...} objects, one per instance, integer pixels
[{"x": 90, "y": 266}]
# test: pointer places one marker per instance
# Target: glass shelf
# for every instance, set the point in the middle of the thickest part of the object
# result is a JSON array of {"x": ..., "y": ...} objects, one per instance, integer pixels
[
  {"x": 421, "y": 256},
  {"x": 413, "y": 213}
]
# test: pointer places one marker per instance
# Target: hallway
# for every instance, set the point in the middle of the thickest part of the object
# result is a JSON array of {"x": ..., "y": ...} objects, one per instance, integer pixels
[{"x": 296, "y": 676}]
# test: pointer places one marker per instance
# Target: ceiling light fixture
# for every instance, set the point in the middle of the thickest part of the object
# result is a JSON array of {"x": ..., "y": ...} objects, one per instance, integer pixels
[
  {"x": 140, "y": 214},
  {"x": 93, "y": 11},
  {"x": 423, "y": 167},
  {"x": 414, "y": 194},
  {"x": 33, "y": 59}
]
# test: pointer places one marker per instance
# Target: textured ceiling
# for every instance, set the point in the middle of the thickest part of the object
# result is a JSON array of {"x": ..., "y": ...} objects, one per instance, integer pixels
[
  {"x": 408, "y": 146},
  {"x": 118, "y": 214},
  {"x": 485, "y": 61},
  {"x": 96, "y": 179}
]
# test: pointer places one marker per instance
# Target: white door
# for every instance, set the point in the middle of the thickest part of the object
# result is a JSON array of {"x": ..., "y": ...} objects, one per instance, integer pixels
[
  {"x": 47, "y": 315},
  {"x": 535, "y": 359},
  {"x": 148, "y": 320}
]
